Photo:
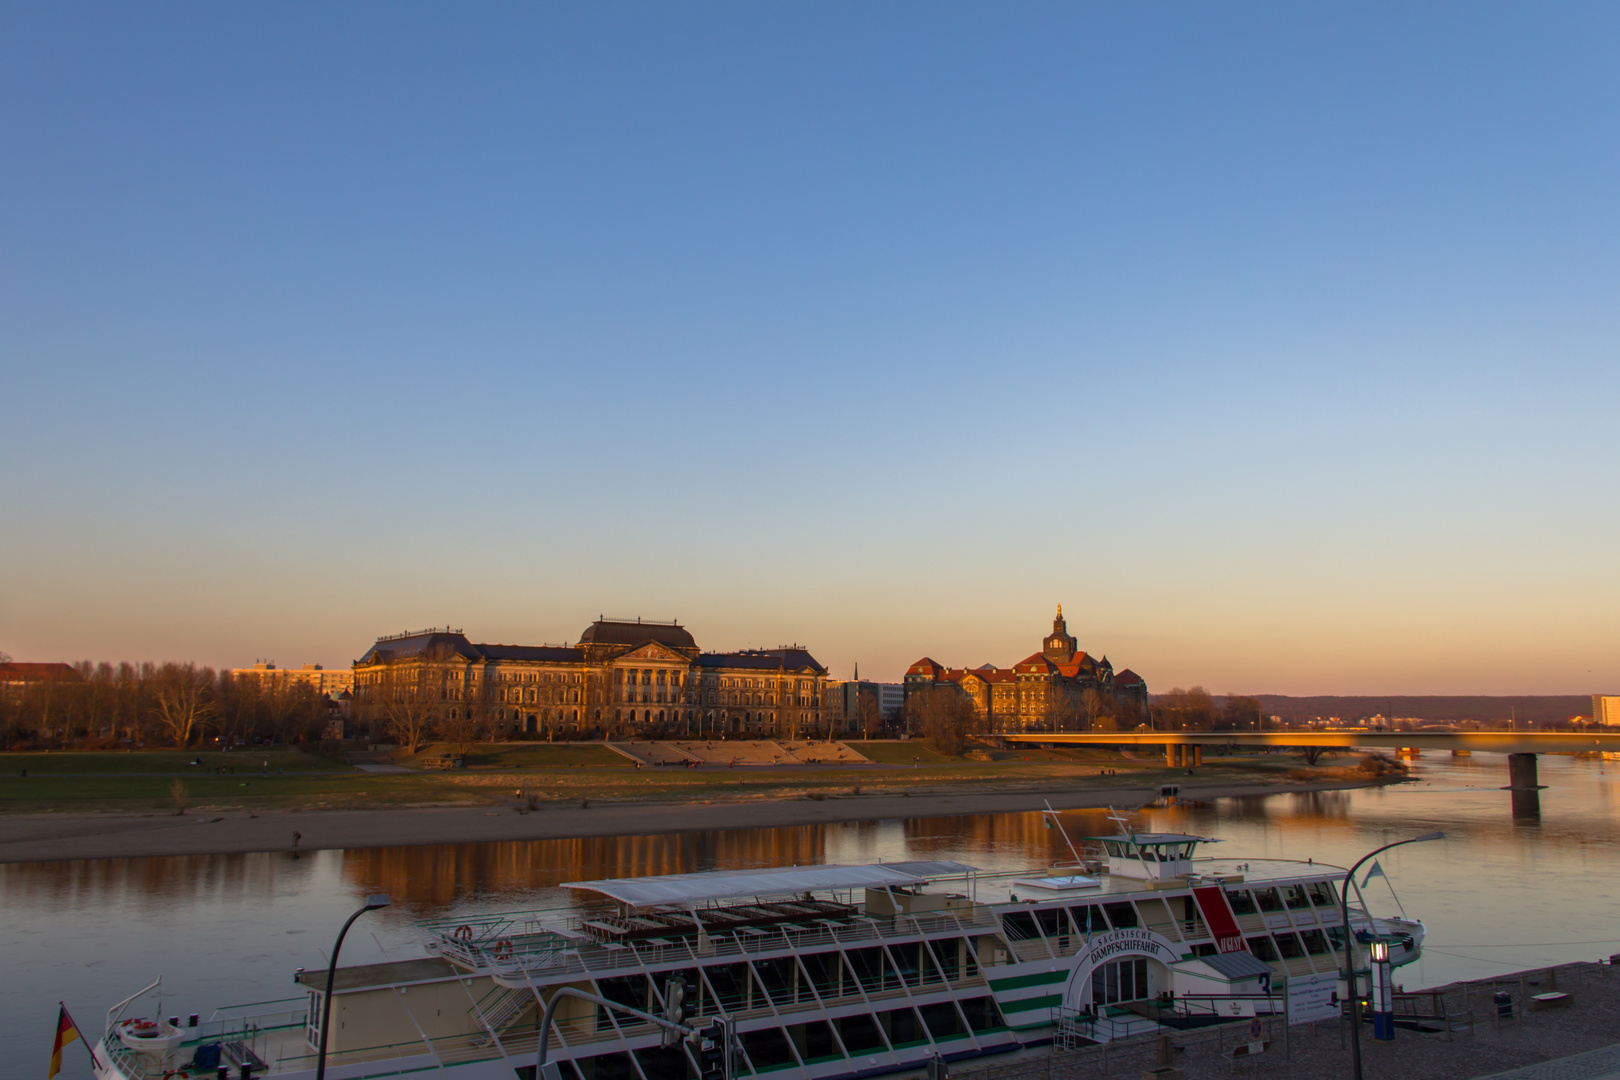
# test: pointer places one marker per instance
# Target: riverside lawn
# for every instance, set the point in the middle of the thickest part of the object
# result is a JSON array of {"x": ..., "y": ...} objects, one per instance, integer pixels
[{"x": 143, "y": 781}]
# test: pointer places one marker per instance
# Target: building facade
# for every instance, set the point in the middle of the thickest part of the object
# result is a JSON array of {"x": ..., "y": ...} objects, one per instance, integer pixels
[
  {"x": 621, "y": 678},
  {"x": 1056, "y": 689},
  {"x": 332, "y": 681},
  {"x": 1606, "y": 709}
]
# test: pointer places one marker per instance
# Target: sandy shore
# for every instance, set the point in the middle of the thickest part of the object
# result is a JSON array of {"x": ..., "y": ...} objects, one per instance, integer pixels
[{"x": 49, "y": 837}]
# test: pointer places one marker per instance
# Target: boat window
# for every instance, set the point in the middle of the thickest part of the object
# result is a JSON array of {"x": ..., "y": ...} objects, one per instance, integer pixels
[
  {"x": 970, "y": 957},
  {"x": 1315, "y": 942},
  {"x": 903, "y": 964},
  {"x": 1121, "y": 915},
  {"x": 1263, "y": 948},
  {"x": 1335, "y": 936},
  {"x": 941, "y": 1020},
  {"x": 1242, "y": 901},
  {"x": 1288, "y": 945},
  {"x": 942, "y": 960},
  {"x": 767, "y": 1047},
  {"x": 825, "y": 972},
  {"x": 860, "y": 1033},
  {"x": 1116, "y": 850},
  {"x": 814, "y": 1042},
  {"x": 902, "y": 1027},
  {"x": 1097, "y": 923},
  {"x": 1020, "y": 925},
  {"x": 1294, "y": 896},
  {"x": 1322, "y": 894},
  {"x": 867, "y": 964},
  {"x": 606, "y": 1067},
  {"x": 1268, "y": 899},
  {"x": 981, "y": 1013},
  {"x": 1118, "y": 981},
  {"x": 777, "y": 975},
  {"x": 729, "y": 982},
  {"x": 661, "y": 1062},
  {"x": 1052, "y": 921},
  {"x": 628, "y": 990}
]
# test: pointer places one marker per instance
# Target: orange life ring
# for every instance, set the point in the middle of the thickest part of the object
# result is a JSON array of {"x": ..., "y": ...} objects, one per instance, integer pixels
[
  {"x": 463, "y": 933},
  {"x": 503, "y": 948}
]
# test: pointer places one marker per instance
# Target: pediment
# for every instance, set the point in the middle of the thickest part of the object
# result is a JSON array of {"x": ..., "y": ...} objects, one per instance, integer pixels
[{"x": 652, "y": 651}]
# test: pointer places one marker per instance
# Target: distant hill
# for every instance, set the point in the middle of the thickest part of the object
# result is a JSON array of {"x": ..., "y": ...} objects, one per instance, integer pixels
[{"x": 1440, "y": 709}]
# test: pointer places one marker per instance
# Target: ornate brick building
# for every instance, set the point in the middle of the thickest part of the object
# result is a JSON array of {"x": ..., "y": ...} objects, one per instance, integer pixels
[
  {"x": 1058, "y": 688},
  {"x": 621, "y": 676}
]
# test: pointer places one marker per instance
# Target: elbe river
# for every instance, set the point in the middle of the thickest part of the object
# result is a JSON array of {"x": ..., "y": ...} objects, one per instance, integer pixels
[{"x": 1498, "y": 895}]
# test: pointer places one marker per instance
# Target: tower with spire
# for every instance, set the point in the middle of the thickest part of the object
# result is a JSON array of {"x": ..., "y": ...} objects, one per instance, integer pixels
[{"x": 1059, "y": 646}]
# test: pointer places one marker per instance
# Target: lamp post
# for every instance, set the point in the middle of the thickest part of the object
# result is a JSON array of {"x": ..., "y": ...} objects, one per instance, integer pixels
[
  {"x": 1383, "y": 1000},
  {"x": 1350, "y": 944},
  {"x": 373, "y": 902}
]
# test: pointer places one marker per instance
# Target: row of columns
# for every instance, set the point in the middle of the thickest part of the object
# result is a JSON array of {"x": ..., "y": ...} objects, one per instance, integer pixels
[{"x": 1183, "y": 756}]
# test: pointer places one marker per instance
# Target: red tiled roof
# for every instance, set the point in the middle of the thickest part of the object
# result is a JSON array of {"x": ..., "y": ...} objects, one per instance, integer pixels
[
  {"x": 1128, "y": 678},
  {"x": 1035, "y": 661},
  {"x": 925, "y": 666},
  {"x": 12, "y": 671}
]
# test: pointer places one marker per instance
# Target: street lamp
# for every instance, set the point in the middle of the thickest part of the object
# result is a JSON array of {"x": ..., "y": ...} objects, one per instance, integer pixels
[
  {"x": 1350, "y": 944},
  {"x": 373, "y": 902},
  {"x": 1383, "y": 997}
]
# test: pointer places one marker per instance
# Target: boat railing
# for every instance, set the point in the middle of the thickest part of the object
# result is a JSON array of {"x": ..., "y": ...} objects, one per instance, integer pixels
[
  {"x": 521, "y": 965},
  {"x": 1073, "y": 1028}
]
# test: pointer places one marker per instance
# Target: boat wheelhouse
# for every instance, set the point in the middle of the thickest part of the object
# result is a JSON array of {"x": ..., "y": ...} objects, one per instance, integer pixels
[{"x": 824, "y": 971}]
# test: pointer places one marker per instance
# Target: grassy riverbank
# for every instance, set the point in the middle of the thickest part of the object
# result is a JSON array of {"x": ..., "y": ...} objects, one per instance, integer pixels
[{"x": 158, "y": 781}]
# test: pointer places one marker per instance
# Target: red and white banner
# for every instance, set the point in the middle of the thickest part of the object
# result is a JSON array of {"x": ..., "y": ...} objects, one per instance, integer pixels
[{"x": 1218, "y": 914}]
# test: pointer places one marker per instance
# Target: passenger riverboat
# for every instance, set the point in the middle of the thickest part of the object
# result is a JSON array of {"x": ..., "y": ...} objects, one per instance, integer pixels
[{"x": 823, "y": 971}]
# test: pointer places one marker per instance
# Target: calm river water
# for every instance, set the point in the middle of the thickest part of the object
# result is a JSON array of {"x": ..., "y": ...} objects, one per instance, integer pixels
[{"x": 1498, "y": 895}]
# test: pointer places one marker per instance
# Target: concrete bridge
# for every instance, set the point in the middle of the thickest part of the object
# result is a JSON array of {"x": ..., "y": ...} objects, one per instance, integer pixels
[{"x": 1186, "y": 748}]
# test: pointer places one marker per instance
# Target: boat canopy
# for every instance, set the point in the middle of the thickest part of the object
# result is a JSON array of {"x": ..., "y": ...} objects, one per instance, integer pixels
[{"x": 678, "y": 889}]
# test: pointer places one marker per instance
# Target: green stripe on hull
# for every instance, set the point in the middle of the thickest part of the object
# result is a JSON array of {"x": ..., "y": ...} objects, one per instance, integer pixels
[
  {"x": 1042, "y": 1001},
  {"x": 1040, "y": 978}
]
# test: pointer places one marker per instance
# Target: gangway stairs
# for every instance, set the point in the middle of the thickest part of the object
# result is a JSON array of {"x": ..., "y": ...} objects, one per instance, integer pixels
[{"x": 501, "y": 1006}]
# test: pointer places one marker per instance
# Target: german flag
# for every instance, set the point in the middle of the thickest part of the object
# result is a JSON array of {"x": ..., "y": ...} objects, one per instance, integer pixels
[{"x": 66, "y": 1032}]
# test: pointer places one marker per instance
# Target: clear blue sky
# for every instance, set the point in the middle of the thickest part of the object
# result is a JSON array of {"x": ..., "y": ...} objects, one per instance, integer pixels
[{"x": 1278, "y": 343}]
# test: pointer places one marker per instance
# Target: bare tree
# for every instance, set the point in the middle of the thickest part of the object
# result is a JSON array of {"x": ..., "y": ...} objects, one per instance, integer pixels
[
  {"x": 184, "y": 699},
  {"x": 868, "y": 713},
  {"x": 1065, "y": 710},
  {"x": 944, "y": 715},
  {"x": 410, "y": 695},
  {"x": 1185, "y": 710}
]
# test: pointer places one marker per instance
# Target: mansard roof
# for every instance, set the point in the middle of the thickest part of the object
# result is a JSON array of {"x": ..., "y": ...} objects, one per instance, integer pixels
[
  {"x": 399, "y": 648},
  {"x": 1129, "y": 678},
  {"x": 1035, "y": 662},
  {"x": 787, "y": 659},
  {"x": 625, "y": 632},
  {"x": 555, "y": 654},
  {"x": 926, "y": 666}
]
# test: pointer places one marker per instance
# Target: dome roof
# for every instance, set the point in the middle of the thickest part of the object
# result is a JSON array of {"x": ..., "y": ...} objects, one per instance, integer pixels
[{"x": 625, "y": 632}]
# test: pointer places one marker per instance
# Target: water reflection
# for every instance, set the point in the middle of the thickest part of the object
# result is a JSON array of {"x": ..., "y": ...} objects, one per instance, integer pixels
[{"x": 1501, "y": 893}]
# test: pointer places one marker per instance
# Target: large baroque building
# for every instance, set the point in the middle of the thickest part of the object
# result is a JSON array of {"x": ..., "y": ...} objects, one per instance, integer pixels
[
  {"x": 1045, "y": 691},
  {"x": 621, "y": 677}
]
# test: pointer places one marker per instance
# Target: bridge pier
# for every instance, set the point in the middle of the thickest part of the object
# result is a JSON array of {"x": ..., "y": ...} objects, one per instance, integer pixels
[
  {"x": 1523, "y": 788},
  {"x": 1522, "y": 773},
  {"x": 1198, "y": 754}
]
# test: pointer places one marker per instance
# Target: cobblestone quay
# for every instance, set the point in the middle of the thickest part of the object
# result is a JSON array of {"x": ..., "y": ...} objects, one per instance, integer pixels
[{"x": 1577, "y": 1041}]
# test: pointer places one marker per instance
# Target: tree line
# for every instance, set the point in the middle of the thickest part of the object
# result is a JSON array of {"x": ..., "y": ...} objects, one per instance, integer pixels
[
  {"x": 109, "y": 706},
  {"x": 948, "y": 719}
]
